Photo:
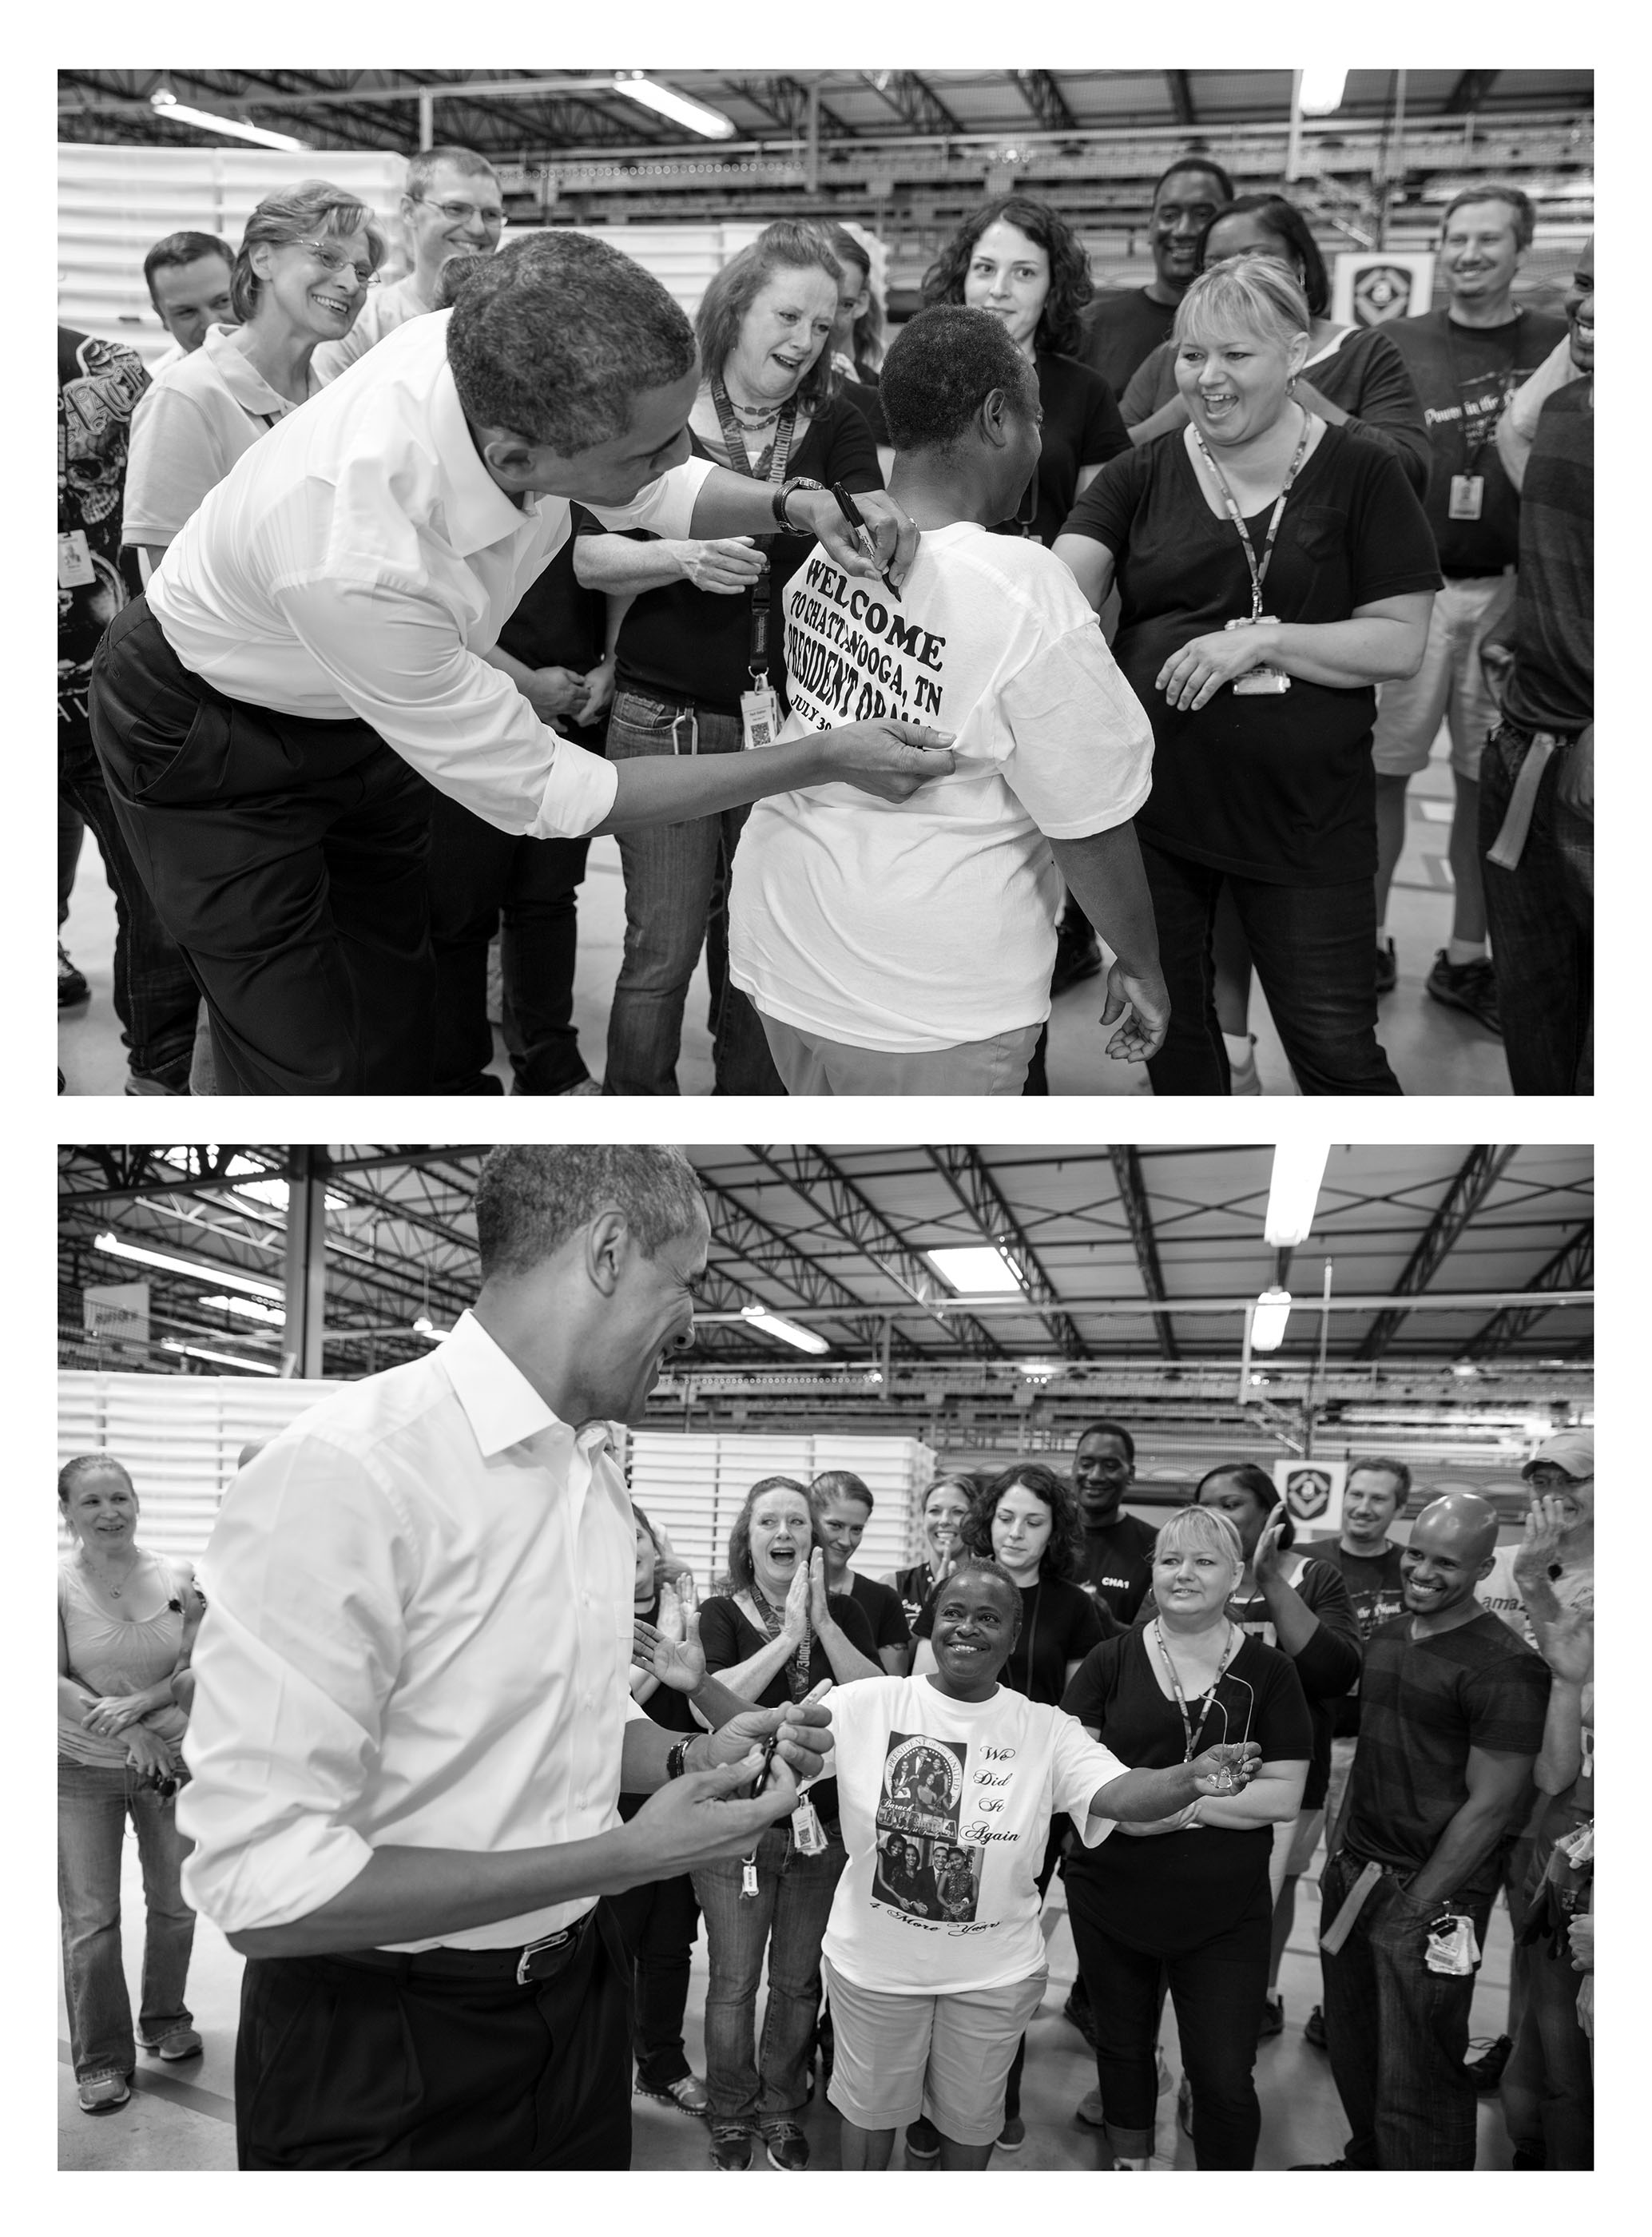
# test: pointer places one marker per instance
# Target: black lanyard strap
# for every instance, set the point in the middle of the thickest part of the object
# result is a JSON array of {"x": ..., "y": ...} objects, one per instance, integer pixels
[
  {"x": 1258, "y": 575},
  {"x": 770, "y": 467},
  {"x": 1194, "y": 1733}
]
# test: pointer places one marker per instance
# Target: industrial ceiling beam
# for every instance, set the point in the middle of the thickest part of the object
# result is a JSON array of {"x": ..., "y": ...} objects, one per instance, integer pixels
[
  {"x": 1180, "y": 96},
  {"x": 787, "y": 100},
  {"x": 739, "y": 1230},
  {"x": 1572, "y": 1267},
  {"x": 1044, "y": 98},
  {"x": 914, "y": 102},
  {"x": 970, "y": 1176},
  {"x": 1133, "y": 1195},
  {"x": 1470, "y": 91},
  {"x": 1472, "y": 1183}
]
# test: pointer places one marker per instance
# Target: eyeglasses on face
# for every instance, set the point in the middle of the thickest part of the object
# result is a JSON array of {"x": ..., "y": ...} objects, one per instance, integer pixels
[
  {"x": 461, "y": 213},
  {"x": 334, "y": 260}
]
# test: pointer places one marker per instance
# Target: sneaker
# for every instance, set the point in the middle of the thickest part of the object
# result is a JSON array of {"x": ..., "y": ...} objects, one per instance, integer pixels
[
  {"x": 731, "y": 2147},
  {"x": 1081, "y": 2017},
  {"x": 1131, "y": 2167},
  {"x": 688, "y": 2095},
  {"x": 1486, "y": 2072},
  {"x": 73, "y": 986},
  {"x": 102, "y": 2093},
  {"x": 1184, "y": 2106},
  {"x": 1319, "y": 2167},
  {"x": 924, "y": 2140},
  {"x": 585, "y": 1087},
  {"x": 1313, "y": 2028},
  {"x": 1078, "y": 957},
  {"x": 1165, "y": 2081},
  {"x": 1089, "y": 2110},
  {"x": 1272, "y": 2015},
  {"x": 1014, "y": 2134},
  {"x": 1243, "y": 1079},
  {"x": 1470, "y": 986},
  {"x": 1387, "y": 967},
  {"x": 788, "y": 2146},
  {"x": 177, "y": 2042}
]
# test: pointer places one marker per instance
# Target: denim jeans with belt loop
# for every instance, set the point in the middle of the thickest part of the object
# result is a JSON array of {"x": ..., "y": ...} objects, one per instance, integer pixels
[{"x": 94, "y": 1800}]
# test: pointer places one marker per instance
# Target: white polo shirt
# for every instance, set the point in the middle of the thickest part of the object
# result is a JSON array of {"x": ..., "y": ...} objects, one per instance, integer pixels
[
  {"x": 360, "y": 559},
  {"x": 419, "y": 1635},
  {"x": 191, "y": 425},
  {"x": 382, "y": 310}
]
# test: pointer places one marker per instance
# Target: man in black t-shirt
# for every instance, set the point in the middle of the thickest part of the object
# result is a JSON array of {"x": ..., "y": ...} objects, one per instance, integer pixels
[
  {"x": 1452, "y": 1718},
  {"x": 1126, "y": 325},
  {"x": 1467, "y": 358},
  {"x": 841, "y": 1506},
  {"x": 1118, "y": 1549}
]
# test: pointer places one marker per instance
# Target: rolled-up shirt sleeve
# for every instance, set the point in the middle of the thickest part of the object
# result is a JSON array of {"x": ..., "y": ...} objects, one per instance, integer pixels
[
  {"x": 298, "y": 1655},
  {"x": 665, "y": 507}
]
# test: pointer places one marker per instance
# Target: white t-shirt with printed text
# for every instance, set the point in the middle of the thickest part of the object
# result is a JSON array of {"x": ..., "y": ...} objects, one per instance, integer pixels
[
  {"x": 932, "y": 923},
  {"x": 945, "y": 1807},
  {"x": 1498, "y": 1591}
]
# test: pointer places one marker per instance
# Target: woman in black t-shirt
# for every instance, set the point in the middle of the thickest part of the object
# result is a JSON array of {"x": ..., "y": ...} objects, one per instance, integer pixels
[
  {"x": 1190, "y": 1896},
  {"x": 688, "y": 642},
  {"x": 1258, "y": 667},
  {"x": 945, "y": 1504}
]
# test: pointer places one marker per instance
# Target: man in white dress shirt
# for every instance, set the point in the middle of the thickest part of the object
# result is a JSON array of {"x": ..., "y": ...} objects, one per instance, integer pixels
[
  {"x": 412, "y": 1722},
  {"x": 331, "y": 614}
]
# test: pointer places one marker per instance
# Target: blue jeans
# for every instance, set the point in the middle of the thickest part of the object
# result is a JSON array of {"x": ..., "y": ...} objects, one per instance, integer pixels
[
  {"x": 672, "y": 873},
  {"x": 788, "y": 1916},
  {"x": 1398, "y": 2033},
  {"x": 1311, "y": 946},
  {"x": 94, "y": 1802},
  {"x": 1541, "y": 920}
]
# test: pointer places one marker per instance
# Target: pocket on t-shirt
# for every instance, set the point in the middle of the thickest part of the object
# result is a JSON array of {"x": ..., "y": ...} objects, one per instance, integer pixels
[{"x": 1322, "y": 531}]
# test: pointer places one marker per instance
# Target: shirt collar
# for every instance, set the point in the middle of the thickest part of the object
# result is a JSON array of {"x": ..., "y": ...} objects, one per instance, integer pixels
[
  {"x": 479, "y": 511},
  {"x": 249, "y": 387},
  {"x": 500, "y": 1403}
]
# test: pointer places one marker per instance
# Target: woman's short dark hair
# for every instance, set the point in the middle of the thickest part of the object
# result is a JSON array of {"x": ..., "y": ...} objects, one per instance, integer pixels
[
  {"x": 531, "y": 1196},
  {"x": 742, "y": 1577},
  {"x": 788, "y": 244},
  {"x": 1070, "y": 285},
  {"x": 1104, "y": 1428},
  {"x": 312, "y": 208},
  {"x": 975, "y": 1565},
  {"x": 558, "y": 335},
  {"x": 941, "y": 368},
  {"x": 1283, "y": 219},
  {"x": 1063, "y": 1555},
  {"x": 74, "y": 1472},
  {"x": 1195, "y": 162},
  {"x": 866, "y": 336},
  {"x": 1256, "y": 1480}
]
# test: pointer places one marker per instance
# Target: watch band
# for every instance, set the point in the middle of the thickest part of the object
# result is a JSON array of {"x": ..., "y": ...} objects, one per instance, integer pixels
[
  {"x": 677, "y": 1761},
  {"x": 783, "y": 494}
]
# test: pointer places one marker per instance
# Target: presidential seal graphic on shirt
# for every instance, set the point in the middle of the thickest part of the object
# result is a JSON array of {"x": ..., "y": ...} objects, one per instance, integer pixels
[{"x": 923, "y": 1868}]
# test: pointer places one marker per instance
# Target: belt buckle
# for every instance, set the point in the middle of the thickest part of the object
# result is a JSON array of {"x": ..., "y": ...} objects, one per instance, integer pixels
[{"x": 530, "y": 1951}]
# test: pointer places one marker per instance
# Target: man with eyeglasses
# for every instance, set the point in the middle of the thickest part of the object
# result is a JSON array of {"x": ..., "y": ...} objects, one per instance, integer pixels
[
  {"x": 1555, "y": 1561},
  {"x": 449, "y": 206}
]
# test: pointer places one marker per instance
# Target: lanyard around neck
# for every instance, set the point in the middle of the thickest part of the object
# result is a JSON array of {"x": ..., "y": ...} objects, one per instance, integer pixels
[
  {"x": 1258, "y": 575},
  {"x": 771, "y": 463},
  {"x": 1194, "y": 1733}
]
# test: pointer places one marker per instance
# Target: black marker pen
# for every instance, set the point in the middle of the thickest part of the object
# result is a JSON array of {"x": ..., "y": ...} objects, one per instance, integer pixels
[{"x": 850, "y": 512}]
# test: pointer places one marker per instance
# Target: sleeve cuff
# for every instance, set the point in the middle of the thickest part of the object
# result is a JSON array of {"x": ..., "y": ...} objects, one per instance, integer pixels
[
  {"x": 296, "y": 1872},
  {"x": 579, "y": 793},
  {"x": 665, "y": 506}
]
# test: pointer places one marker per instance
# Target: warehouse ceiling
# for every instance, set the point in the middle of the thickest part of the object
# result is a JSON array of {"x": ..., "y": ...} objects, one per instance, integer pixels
[{"x": 1113, "y": 1249}]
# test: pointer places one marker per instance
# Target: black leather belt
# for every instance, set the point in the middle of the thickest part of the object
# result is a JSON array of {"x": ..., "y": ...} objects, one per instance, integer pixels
[{"x": 533, "y": 1961}]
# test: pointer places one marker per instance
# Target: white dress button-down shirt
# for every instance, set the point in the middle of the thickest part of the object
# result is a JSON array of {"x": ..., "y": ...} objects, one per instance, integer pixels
[
  {"x": 360, "y": 559},
  {"x": 419, "y": 1636}
]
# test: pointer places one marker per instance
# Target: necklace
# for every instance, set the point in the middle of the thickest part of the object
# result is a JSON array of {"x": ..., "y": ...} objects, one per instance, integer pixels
[
  {"x": 114, "y": 1590},
  {"x": 1191, "y": 1733}
]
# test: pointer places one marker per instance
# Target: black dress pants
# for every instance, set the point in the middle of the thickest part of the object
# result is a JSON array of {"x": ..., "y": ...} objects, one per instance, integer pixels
[
  {"x": 399, "y": 2064},
  {"x": 288, "y": 859}
]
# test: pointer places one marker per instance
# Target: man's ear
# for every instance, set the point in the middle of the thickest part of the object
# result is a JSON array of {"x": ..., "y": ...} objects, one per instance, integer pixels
[
  {"x": 993, "y": 419},
  {"x": 608, "y": 1243}
]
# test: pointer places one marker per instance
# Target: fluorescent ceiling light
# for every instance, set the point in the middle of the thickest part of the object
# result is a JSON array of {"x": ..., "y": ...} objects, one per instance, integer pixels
[
  {"x": 219, "y": 1358},
  {"x": 220, "y": 1277},
  {"x": 709, "y": 122},
  {"x": 1039, "y": 1370},
  {"x": 167, "y": 104},
  {"x": 275, "y": 1192},
  {"x": 787, "y": 1331},
  {"x": 425, "y": 1326},
  {"x": 1268, "y": 1329},
  {"x": 977, "y": 1270},
  {"x": 1298, "y": 1167},
  {"x": 250, "y": 1310},
  {"x": 1322, "y": 91}
]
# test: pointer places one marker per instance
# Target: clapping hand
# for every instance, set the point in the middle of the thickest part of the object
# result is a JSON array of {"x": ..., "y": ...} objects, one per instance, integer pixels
[
  {"x": 795, "y": 1623},
  {"x": 1267, "y": 1562},
  {"x": 670, "y": 1647},
  {"x": 820, "y": 1613},
  {"x": 1225, "y": 1770}
]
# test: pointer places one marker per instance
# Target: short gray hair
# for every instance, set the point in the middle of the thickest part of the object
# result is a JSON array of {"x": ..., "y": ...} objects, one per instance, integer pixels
[
  {"x": 1251, "y": 292},
  {"x": 421, "y": 168},
  {"x": 1206, "y": 1527},
  {"x": 557, "y": 339},
  {"x": 531, "y": 1199}
]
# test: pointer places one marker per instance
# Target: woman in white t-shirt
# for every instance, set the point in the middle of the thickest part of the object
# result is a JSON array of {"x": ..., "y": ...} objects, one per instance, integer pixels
[
  {"x": 910, "y": 952},
  {"x": 946, "y": 1786}
]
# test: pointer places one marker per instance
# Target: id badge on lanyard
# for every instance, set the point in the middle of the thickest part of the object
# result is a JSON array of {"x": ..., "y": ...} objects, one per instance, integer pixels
[
  {"x": 1467, "y": 495},
  {"x": 760, "y": 706},
  {"x": 1261, "y": 680},
  {"x": 73, "y": 560}
]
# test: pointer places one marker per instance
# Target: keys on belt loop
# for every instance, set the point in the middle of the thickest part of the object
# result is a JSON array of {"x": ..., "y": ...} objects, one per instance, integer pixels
[{"x": 688, "y": 716}]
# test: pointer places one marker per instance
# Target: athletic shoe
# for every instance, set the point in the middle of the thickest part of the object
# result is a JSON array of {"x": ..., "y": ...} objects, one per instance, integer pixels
[
  {"x": 731, "y": 2147},
  {"x": 1131, "y": 2167},
  {"x": 1387, "y": 967},
  {"x": 922, "y": 2140},
  {"x": 1470, "y": 986},
  {"x": 1313, "y": 2028},
  {"x": 1089, "y": 2110},
  {"x": 73, "y": 986},
  {"x": 1272, "y": 2015},
  {"x": 788, "y": 2148},
  {"x": 1014, "y": 2134},
  {"x": 178, "y": 2042},
  {"x": 102, "y": 2093},
  {"x": 1486, "y": 2072},
  {"x": 1244, "y": 1078},
  {"x": 688, "y": 2095},
  {"x": 584, "y": 1088},
  {"x": 1081, "y": 2017},
  {"x": 1078, "y": 957},
  {"x": 1319, "y": 2167}
]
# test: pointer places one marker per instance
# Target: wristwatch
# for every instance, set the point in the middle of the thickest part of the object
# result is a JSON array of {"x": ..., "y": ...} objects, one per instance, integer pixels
[
  {"x": 782, "y": 497},
  {"x": 677, "y": 1762}
]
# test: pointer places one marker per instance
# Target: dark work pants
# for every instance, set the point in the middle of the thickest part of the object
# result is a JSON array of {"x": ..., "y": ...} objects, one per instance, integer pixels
[
  {"x": 1052, "y": 1856},
  {"x": 658, "y": 1922},
  {"x": 340, "y": 2064},
  {"x": 482, "y": 879},
  {"x": 288, "y": 859},
  {"x": 1541, "y": 915},
  {"x": 1311, "y": 946},
  {"x": 1217, "y": 1988}
]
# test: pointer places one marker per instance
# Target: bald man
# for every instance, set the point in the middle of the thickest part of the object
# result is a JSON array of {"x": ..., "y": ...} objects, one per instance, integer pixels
[{"x": 1451, "y": 1718}]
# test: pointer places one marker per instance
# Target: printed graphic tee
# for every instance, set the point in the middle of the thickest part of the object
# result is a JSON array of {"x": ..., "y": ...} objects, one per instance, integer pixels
[
  {"x": 933, "y": 923},
  {"x": 945, "y": 1807}
]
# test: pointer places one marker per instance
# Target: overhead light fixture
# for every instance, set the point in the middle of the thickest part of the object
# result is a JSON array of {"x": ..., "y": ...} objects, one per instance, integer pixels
[
  {"x": 249, "y": 1308},
  {"x": 425, "y": 1326},
  {"x": 1298, "y": 1167},
  {"x": 710, "y": 122},
  {"x": 1267, "y": 1328},
  {"x": 977, "y": 1270},
  {"x": 165, "y": 104},
  {"x": 787, "y": 1331},
  {"x": 1322, "y": 91},
  {"x": 218, "y": 1358},
  {"x": 1038, "y": 1370},
  {"x": 1464, "y": 1372},
  {"x": 275, "y": 1193},
  {"x": 220, "y": 1277}
]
